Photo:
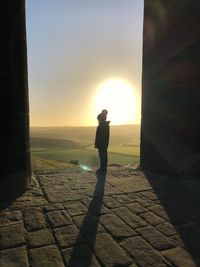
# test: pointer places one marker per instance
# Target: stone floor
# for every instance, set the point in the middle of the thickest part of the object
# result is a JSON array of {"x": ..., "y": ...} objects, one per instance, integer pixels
[{"x": 71, "y": 217}]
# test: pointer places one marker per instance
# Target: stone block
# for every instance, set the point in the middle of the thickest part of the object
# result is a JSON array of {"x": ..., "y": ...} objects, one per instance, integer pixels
[
  {"x": 11, "y": 236},
  {"x": 143, "y": 253},
  {"x": 116, "y": 227},
  {"x": 52, "y": 207},
  {"x": 135, "y": 208},
  {"x": 167, "y": 229},
  {"x": 152, "y": 219},
  {"x": 10, "y": 217},
  {"x": 46, "y": 256},
  {"x": 123, "y": 199},
  {"x": 131, "y": 219},
  {"x": 68, "y": 236},
  {"x": 15, "y": 257},
  {"x": 80, "y": 256},
  {"x": 110, "y": 202},
  {"x": 95, "y": 205},
  {"x": 150, "y": 195},
  {"x": 40, "y": 238},
  {"x": 88, "y": 225},
  {"x": 59, "y": 218},
  {"x": 160, "y": 211},
  {"x": 75, "y": 208},
  {"x": 155, "y": 238},
  {"x": 34, "y": 219},
  {"x": 109, "y": 252},
  {"x": 180, "y": 258},
  {"x": 145, "y": 202}
]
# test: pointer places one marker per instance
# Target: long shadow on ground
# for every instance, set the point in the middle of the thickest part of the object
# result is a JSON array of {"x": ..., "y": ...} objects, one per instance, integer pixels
[
  {"x": 82, "y": 255},
  {"x": 180, "y": 205}
]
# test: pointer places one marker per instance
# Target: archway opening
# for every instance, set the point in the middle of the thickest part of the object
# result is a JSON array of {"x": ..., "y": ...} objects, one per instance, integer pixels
[{"x": 84, "y": 58}]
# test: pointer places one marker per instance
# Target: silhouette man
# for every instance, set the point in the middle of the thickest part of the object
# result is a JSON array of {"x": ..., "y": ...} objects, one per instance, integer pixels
[{"x": 102, "y": 140}]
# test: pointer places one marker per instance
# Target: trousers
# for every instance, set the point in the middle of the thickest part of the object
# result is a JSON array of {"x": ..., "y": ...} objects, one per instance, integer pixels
[{"x": 103, "y": 156}]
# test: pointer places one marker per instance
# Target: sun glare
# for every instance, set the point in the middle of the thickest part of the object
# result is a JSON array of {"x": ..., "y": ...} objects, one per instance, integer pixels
[{"x": 118, "y": 97}]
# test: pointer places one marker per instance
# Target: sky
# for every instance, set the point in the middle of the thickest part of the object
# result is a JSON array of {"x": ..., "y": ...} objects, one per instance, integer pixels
[{"x": 77, "y": 51}]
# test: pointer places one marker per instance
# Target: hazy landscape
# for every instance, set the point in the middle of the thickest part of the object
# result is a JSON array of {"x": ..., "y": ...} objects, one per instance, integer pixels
[{"x": 77, "y": 143}]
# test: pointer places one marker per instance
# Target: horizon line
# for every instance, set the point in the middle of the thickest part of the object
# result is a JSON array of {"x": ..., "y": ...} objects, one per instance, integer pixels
[{"x": 81, "y": 126}]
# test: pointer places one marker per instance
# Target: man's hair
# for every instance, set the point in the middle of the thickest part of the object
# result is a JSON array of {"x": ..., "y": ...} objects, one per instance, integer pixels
[{"x": 104, "y": 111}]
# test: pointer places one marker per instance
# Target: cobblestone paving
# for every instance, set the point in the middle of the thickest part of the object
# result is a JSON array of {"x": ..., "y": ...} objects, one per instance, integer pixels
[{"x": 74, "y": 218}]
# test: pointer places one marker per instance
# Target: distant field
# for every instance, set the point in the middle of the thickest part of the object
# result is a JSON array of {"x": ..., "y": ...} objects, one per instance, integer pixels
[
  {"x": 87, "y": 157},
  {"x": 123, "y": 134},
  {"x": 38, "y": 143},
  {"x": 121, "y": 149},
  {"x": 77, "y": 143}
]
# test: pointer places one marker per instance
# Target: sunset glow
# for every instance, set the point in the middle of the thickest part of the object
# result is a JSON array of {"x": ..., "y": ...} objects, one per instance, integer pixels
[
  {"x": 118, "y": 97},
  {"x": 84, "y": 56}
]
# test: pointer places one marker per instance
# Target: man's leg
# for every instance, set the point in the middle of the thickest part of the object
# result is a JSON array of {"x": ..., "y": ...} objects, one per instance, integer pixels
[{"x": 103, "y": 156}]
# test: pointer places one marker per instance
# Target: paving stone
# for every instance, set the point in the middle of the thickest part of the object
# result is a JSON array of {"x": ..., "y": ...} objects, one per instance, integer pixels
[
  {"x": 150, "y": 195},
  {"x": 80, "y": 256},
  {"x": 15, "y": 257},
  {"x": 110, "y": 190},
  {"x": 130, "y": 184},
  {"x": 178, "y": 240},
  {"x": 40, "y": 238},
  {"x": 86, "y": 201},
  {"x": 27, "y": 200},
  {"x": 46, "y": 256},
  {"x": 10, "y": 217},
  {"x": 52, "y": 207},
  {"x": 103, "y": 189},
  {"x": 75, "y": 208},
  {"x": 108, "y": 252},
  {"x": 152, "y": 219},
  {"x": 123, "y": 199},
  {"x": 116, "y": 227},
  {"x": 11, "y": 236},
  {"x": 34, "y": 219},
  {"x": 145, "y": 202},
  {"x": 59, "y": 218},
  {"x": 160, "y": 211},
  {"x": 167, "y": 229},
  {"x": 142, "y": 252},
  {"x": 95, "y": 205},
  {"x": 133, "y": 195},
  {"x": 130, "y": 218},
  {"x": 136, "y": 208},
  {"x": 155, "y": 238},
  {"x": 68, "y": 236},
  {"x": 88, "y": 225},
  {"x": 180, "y": 257},
  {"x": 110, "y": 202}
]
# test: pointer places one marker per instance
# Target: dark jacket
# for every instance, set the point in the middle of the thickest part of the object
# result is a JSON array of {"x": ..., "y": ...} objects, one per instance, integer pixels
[{"x": 102, "y": 135}]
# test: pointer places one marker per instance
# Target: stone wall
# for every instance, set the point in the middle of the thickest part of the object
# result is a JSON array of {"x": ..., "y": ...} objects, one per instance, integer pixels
[
  {"x": 171, "y": 87},
  {"x": 15, "y": 167}
]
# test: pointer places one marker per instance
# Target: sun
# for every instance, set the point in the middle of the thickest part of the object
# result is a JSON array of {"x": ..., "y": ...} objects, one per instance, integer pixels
[{"x": 118, "y": 97}]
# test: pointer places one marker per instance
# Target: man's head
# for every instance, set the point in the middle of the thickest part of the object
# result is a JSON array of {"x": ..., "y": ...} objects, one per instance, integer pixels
[
  {"x": 102, "y": 116},
  {"x": 104, "y": 112}
]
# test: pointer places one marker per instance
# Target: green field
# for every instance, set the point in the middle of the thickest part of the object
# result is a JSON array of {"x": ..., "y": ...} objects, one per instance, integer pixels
[
  {"x": 76, "y": 143},
  {"x": 121, "y": 149},
  {"x": 88, "y": 157}
]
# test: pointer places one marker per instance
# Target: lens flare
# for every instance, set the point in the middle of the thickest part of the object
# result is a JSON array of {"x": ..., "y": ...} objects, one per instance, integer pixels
[{"x": 85, "y": 168}]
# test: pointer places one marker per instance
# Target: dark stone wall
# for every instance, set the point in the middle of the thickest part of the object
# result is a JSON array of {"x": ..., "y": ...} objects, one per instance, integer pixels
[
  {"x": 170, "y": 131},
  {"x": 15, "y": 167}
]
